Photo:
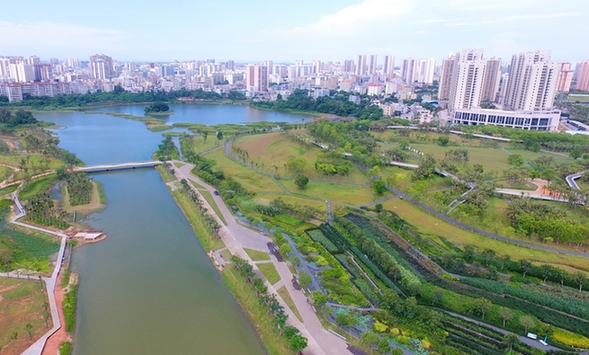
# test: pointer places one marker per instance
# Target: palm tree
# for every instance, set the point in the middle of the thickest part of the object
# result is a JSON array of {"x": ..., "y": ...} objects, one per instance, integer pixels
[{"x": 510, "y": 340}]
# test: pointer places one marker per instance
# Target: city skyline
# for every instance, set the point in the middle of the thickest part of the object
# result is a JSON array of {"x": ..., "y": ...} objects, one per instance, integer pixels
[{"x": 329, "y": 30}]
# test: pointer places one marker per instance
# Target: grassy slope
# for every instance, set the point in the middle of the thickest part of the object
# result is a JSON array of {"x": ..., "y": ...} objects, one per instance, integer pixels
[
  {"x": 353, "y": 195},
  {"x": 251, "y": 180},
  {"x": 275, "y": 149}
]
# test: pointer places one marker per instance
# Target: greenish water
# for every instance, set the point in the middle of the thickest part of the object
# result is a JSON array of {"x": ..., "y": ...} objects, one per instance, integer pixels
[{"x": 149, "y": 288}]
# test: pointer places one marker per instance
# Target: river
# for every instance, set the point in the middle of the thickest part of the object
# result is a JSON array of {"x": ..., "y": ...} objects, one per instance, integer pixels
[{"x": 149, "y": 288}]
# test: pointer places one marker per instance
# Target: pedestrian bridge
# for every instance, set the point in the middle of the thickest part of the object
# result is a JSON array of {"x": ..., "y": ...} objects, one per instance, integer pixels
[{"x": 123, "y": 166}]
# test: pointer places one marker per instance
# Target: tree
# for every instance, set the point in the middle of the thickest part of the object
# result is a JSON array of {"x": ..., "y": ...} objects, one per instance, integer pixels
[
  {"x": 379, "y": 186},
  {"x": 285, "y": 249},
  {"x": 347, "y": 320},
  {"x": 481, "y": 306},
  {"x": 219, "y": 135},
  {"x": 580, "y": 278},
  {"x": 297, "y": 343},
  {"x": 510, "y": 340},
  {"x": 576, "y": 153},
  {"x": 305, "y": 279},
  {"x": 396, "y": 351},
  {"x": 516, "y": 159},
  {"x": 383, "y": 346},
  {"x": 319, "y": 299},
  {"x": 378, "y": 207},
  {"x": 369, "y": 338},
  {"x": 506, "y": 315},
  {"x": 527, "y": 322},
  {"x": 443, "y": 140},
  {"x": 301, "y": 181}
]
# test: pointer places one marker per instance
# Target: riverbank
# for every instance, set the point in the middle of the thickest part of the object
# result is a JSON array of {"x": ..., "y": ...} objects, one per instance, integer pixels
[{"x": 240, "y": 290}]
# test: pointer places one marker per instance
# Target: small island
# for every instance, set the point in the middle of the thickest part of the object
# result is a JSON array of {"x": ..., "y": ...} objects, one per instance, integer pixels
[{"x": 158, "y": 108}]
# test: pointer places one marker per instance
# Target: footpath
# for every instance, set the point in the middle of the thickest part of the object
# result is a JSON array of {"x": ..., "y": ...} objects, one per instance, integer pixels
[{"x": 236, "y": 237}]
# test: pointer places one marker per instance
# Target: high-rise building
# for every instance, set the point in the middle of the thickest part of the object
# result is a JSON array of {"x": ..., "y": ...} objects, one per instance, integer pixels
[
  {"x": 269, "y": 65},
  {"x": 230, "y": 65},
  {"x": 532, "y": 82},
  {"x": 316, "y": 66},
  {"x": 408, "y": 70},
  {"x": 372, "y": 61},
  {"x": 467, "y": 79},
  {"x": 101, "y": 67},
  {"x": 256, "y": 77},
  {"x": 565, "y": 77},
  {"x": 361, "y": 65},
  {"x": 349, "y": 66},
  {"x": 583, "y": 78},
  {"x": 446, "y": 77},
  {"x": 425, "y": 71},
  {"x": 32, "y": 60},
  {"x": 21, "y": 72},
  {"x": 491, "y": 79},
  {"x": 388, "y": 66},
  {"x": 72, "y": 63}
]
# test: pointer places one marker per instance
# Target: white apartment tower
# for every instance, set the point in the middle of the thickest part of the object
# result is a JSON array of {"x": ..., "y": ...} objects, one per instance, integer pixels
[
  {"x": 100, "y": 66},
  {"x": 467, "y": 79},
  {"x": 532, "y": 82},
  {"x": 425, "y": 71},
  {"x": 408, "y": 70},
  {"x": 388, "y": 66}
]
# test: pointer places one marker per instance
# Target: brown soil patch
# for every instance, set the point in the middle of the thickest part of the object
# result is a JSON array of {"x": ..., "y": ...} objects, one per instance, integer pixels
[{"x": 21, "y": 302}]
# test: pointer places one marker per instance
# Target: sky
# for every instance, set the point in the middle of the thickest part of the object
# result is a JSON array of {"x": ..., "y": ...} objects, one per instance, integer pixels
[{"x": 284, "y": 31}]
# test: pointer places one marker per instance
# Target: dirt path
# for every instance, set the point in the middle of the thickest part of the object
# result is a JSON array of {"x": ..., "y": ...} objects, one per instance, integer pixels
[{"x": 52, "y": 344}]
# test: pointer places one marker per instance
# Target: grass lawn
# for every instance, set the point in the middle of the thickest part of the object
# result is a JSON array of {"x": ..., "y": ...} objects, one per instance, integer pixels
[
  {"x": 275, "y": 149},
  {"x": 36, "y": 186},
  {"x": 256, "y": 312},
  {"x": 490, "y": 158},
  {"x": 198, "y": 144},
  {"x": 257, "y": 255},
  {"x": 207, "y": 195},
  {"x": 226, "y": 254},
  {"x": 8, "y": 189},
  {"x": 22, "y": 302},
  {"x": 283, "y": 292},
  {"x": 270, "y": 272},
  {"x": 5, "y": 172},
  {"x": 348, "y": 194},
  {"x": 580, "y": 98},
  {"x": 165, "y": 175},
  {"x": 526, "y": 185},
  {"x": 433, "y": 227},
  {"x": 265, "y": 199},
  {"x": 529, "y": 155},
  {"x": 251, "y": 180}
]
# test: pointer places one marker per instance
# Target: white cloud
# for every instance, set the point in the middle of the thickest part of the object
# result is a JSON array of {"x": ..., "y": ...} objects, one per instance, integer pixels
[
  {"x": 58, "y": 35},
  {"x": 538, "y": 16},
  {"x": 361, "y": 17},
  {"x": 439, "y": 20}
]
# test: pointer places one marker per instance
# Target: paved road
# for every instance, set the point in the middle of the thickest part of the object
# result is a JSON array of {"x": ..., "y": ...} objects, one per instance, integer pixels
[
  {"x": 485, "y": 233},
  {"x": 571, "y": 180},
  {"x": 235, "y": 236}
]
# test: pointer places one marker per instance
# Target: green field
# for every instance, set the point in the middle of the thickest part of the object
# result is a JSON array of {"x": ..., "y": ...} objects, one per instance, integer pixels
[
  {"x": 580, "y": 98},
  {"x": 434, "y": 227},
  {"x": 198, "y": 144},
  {"x": 251, "y": 180},
  {"x": 269, "y": 271},
  {"x": 273, "y": 150},
  {"x": 265, "y": 199},
  {"x": 346, "y": 194},
  {"x": 257, "y": 255}
]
